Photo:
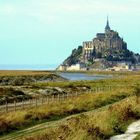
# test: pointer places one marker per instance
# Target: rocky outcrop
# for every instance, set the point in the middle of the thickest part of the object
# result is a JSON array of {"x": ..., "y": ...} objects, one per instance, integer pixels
[{"x": 75, "y": 56}]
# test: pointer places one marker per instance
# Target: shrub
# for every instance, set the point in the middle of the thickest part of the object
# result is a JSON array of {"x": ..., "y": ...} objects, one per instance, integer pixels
[{"x": 4, "y": 126}]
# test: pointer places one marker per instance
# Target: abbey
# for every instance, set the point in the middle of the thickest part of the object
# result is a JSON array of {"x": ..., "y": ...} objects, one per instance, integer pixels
[
  {"x": 104, "y": 43},
  {"x": 107, "y": 51}
]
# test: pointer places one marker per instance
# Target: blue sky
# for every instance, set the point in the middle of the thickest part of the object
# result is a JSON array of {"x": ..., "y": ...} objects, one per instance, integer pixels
[{"x": 46, "y": 31}]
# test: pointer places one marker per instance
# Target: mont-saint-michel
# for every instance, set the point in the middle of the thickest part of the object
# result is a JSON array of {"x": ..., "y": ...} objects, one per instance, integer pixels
[{"x": 107, "y": 51}]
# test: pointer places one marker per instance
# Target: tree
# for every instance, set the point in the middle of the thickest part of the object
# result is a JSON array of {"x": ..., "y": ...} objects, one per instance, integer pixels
[{"x": 99, "y": 55}]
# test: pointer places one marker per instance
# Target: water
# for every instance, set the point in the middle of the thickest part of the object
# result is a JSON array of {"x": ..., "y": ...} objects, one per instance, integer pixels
[
  {"x": 71, "y": 76},
  {"x": 28, "y": 67},
  {"x": 82, "y": 76}
]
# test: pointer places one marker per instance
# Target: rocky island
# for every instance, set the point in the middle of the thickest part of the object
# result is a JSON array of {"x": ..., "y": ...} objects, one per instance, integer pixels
[{"x": 107, "y": 51}]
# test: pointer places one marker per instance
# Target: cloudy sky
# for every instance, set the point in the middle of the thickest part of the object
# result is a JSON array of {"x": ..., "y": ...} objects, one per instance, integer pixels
[{"x": 46, "y": 31}]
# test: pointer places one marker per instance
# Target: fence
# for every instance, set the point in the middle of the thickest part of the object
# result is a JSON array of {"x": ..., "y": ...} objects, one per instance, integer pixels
[{"x": 8, "y": 107}]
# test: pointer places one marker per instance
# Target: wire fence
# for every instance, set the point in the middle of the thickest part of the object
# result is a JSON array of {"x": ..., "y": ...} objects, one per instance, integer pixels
[{"x": 31, "y": 103}]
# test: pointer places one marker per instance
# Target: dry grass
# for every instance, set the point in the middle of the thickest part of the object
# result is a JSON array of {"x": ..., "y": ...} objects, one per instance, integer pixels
[
  {"x": 97, "y": 125},
  {"x": 131, "y": 80},
  {"x": 85, "y": 102},
  {"x": 22, "y": 72}
]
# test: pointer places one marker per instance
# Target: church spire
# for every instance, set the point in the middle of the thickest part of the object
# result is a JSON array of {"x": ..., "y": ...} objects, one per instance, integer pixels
[{"x": 107, "y": 28}]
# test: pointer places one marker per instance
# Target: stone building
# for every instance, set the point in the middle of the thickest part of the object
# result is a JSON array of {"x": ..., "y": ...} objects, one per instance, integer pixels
[{"x": 103, "y": 43}]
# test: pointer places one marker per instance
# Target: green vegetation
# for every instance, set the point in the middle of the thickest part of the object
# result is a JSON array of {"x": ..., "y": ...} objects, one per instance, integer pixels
[
  {"x": 109, "y": 55},
  {"x": 19, "y": 78},
  {"x": 99, "y": 124},
  {"x": 19, "y": 119},
  {"x": 88, "y": 116},
  {"x": 121, "y": 80},
  {"x": 138, "y": 137},
  {"x": 10, "y": 94},
  {"x": 74, "y": 57}
]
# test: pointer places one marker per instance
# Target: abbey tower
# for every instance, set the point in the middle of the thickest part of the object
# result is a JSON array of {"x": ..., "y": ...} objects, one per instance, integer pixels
[{"x": 103, "y": 43}]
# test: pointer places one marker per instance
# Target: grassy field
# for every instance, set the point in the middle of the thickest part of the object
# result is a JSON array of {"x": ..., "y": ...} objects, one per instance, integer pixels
[
  {"x": 125, "y": 97},
  {"x": 19, "y": 119},
  {"x": 22, "y": 72},
  {"x": 98, "y": 125},
  {"x": 125, "y": 80},
  {"x": 99, "y": 116}
]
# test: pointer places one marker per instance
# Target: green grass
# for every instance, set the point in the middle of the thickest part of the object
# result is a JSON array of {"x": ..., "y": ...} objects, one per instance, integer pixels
[
  {"x": 138, "y": 137},
  {"x": 85, "y": 102},
  {"x": 98, "y": 125},
  {"x": 84, "y": 121},
  {"x": 102, "y": 124},
  {"x": 123, "y": 80}
]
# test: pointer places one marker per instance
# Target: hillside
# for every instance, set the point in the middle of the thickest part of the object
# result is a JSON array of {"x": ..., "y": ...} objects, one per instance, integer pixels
[
  {"x": 107, "y": 57},
  {"x": 74, "y": 57},
  {"x": 108, "y": 46}
]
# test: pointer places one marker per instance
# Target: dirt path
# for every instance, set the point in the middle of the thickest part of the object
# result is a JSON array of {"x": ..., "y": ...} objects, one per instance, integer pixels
[
  {"x": 130, "y": 134},
  {"x": 18, "y": 135}
]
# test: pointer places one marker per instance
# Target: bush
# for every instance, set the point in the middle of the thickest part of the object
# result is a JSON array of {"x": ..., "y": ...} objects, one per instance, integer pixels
[
  {"x": 4, "y": 126},
  {"x": 137, "y": 90}
]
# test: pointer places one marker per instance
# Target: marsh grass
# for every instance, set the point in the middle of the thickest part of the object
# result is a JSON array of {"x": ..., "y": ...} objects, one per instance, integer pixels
[
  {"x": 53, "y": 111},
  {"x": 125, "y": 80},
  {"x": 23, "y": 72},
  {"x": 98, "y": 125}
]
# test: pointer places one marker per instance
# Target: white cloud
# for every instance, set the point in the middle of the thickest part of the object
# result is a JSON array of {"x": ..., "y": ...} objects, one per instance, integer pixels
[
  {"x": 7, "y": 9},
  {"x": 53, "y": 11}
]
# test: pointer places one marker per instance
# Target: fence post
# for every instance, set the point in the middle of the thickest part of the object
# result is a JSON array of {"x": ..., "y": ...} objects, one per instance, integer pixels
[
  {"x": 42, "y": 100},
  {"x": 30, "y": 102},
  {"x": 109, "y": 88},
  {"x": 58, "y": 97},
  {"x": 35, "y": 102},
  {"x": 22, "y": 104},
  {"x": 52, "y": 98},
  {"x": 96, "y": 89},
  {"x": 64, "y": 97},
  {"x": 6, "y": 107},
  {"x": 47, "y": 99},
  {"x": 15, "y": 105}
]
